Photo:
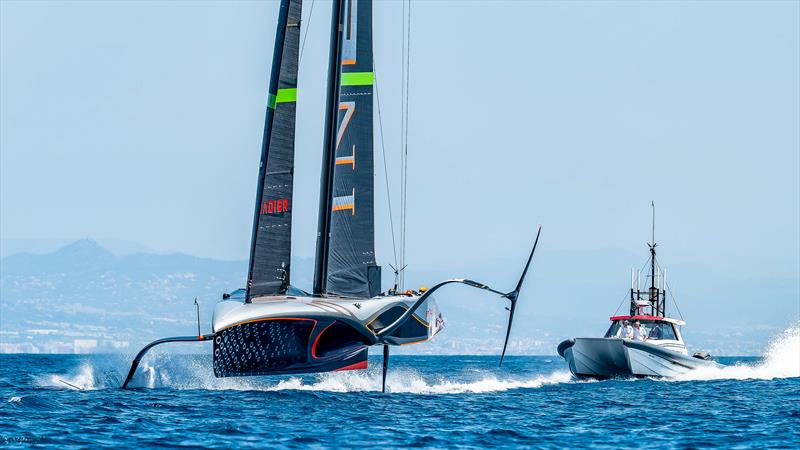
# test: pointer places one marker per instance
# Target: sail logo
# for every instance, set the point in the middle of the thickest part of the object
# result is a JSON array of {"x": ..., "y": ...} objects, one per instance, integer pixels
[
  {"x": 275, "y": 207},
  {"x": 345, "y": 203},
  {"x": 350, "y": 37}
]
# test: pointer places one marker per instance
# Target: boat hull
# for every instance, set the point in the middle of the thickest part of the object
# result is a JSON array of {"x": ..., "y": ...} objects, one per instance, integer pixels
[
  {"x": 286, "y": 346},
  {"x": 293, "y": 335},
  {"x": 603, "y": 358}
]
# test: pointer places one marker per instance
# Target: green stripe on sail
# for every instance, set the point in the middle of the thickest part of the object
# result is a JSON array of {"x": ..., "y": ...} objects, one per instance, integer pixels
[
  {"x": 358, "y": 78},
  {"x": 287, "y": 95}
]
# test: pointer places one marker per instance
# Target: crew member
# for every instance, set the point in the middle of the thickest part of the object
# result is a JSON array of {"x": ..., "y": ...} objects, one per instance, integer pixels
[
  {"x": 625, "y": 331},
  {"x": 639, "y": 333}
]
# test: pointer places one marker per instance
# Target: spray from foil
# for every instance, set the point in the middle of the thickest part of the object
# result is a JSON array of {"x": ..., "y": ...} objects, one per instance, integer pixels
[
  {"x": 410, "y": 382},
  {"x": 185, "y": 372}
]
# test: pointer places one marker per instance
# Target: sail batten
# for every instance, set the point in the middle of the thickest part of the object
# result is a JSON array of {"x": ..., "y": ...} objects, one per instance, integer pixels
[{"x": 270, "y": 252}]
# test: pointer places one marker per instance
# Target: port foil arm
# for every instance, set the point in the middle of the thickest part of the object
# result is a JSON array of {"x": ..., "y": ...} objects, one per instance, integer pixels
[{"x": 142, "y": 352}]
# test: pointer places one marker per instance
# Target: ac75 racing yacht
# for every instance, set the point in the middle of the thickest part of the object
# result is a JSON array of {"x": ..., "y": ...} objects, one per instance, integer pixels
[{"x": 270, "y": 327}]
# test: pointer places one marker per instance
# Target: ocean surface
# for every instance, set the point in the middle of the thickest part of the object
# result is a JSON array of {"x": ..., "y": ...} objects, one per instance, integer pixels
[{"x": 435, "y": 401}]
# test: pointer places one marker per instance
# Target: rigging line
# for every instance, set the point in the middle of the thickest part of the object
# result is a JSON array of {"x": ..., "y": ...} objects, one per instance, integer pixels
[
  {"x": 402, "y": 127},
  {"x": 637, "y": 287},
  {"x": 305, "y": 33},
  {"x": 675, "y": 302},
  {"x": 405, "y": 130},
  {"x": 624, "y": 297},
  {"x": 672, "y": 296},
  {"x": 385, "y": 168}
]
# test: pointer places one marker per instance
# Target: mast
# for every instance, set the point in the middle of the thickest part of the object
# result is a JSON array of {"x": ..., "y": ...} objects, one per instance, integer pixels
[
  {"x": 270, "y": 243},
  {"x": 345, "y": 264},
  {"x": 653, "y": 250},
  {"x": 655, "y": 295},
  {"x": 329, "y": 153}
]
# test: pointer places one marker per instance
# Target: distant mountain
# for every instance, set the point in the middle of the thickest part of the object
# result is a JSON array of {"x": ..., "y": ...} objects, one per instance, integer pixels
[
  {"x": 84, "y": 298},
  {"x": 81, "y": 297},
  {"x": 77, "y": 258},
  {"x": 119, "y": 247}
]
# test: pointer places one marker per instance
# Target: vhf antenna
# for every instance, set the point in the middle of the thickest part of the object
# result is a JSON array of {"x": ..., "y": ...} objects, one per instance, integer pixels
[
  {"x": 197, "y": 307},
  {"x": 653, "y": 206}
]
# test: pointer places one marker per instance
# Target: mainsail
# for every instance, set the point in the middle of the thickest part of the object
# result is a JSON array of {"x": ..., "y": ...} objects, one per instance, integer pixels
[
  {"x": 270, "y": 247},
  {"x": 351, "y": 269}
]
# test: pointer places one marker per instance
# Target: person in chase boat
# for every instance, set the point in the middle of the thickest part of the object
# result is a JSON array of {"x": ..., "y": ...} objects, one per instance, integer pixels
[
  {"x": 639, "y": 332},
  {"x": 625, "y": 331}
]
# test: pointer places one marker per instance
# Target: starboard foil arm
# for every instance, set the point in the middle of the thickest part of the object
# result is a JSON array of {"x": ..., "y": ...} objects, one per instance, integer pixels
[
  {"x": 143, "y": 351},
  {"x": 512, "y": 296}
]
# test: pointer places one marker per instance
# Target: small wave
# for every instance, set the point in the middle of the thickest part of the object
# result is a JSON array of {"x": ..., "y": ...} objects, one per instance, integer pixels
[
  {"x": 184, "y": 373},
  {"x": 81, "y": 379},
  {"x": 411, "y": 382},
  {"x": 781, "y": 360},
  {"x": 197, "y": 375}
]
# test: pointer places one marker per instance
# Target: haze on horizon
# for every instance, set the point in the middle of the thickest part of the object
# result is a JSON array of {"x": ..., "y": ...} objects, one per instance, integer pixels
[{"x": 143, "y": 122}]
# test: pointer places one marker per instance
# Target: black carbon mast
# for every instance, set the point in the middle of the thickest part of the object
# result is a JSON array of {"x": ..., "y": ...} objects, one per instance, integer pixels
[
  {"x": 351, "y": 268},
  {"x": 329, "y": 156},
  {"x": 270, "y": 244},
  {"x": 345, "y": 265}
]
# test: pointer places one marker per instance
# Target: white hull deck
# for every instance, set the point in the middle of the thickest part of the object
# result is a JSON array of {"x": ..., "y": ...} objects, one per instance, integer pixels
[{"x": 619, "y": 358}]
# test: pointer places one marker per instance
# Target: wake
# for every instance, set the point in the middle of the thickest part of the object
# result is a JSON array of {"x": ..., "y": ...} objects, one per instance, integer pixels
[
  {"x": 410, "y": 382},
  {"x": 781, "y": 360},
  {"x": 184, "y": 374}
]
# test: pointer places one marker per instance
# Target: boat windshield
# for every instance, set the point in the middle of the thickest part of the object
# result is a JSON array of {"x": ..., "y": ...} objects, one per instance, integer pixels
[{"x": 655, "y": 329}]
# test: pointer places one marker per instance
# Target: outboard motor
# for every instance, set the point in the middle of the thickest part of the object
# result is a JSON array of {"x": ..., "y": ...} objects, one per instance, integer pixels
[{"x": 705, "y": 356}]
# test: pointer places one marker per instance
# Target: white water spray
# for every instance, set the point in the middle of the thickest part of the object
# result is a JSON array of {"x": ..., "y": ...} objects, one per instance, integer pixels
[
  {"x": 781, "y": 360},
  {"x": 184, "y": 373},
  {"x": 410, "y": 382}
]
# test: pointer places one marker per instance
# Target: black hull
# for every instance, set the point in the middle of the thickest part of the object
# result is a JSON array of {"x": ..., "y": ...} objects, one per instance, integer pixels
[{"x": 297, "y": 346}]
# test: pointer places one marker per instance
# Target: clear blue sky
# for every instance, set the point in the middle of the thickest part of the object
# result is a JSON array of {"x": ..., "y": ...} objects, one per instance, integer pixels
[{"x": 143, "y": 121}]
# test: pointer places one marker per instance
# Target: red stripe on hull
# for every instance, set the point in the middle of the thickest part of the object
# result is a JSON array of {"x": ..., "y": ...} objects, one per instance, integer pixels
[
  {"x": 314, "y": 346},
  {"x": 357, "y": 366}
]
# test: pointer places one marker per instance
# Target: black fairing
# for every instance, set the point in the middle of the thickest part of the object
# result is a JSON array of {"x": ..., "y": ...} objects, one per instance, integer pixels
[
  {"x": 271, "y": 347},
  {"x": 411, "y": 329}
]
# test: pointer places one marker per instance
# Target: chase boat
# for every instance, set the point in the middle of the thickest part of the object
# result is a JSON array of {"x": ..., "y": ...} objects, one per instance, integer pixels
[{"x": 658, "y": 351}]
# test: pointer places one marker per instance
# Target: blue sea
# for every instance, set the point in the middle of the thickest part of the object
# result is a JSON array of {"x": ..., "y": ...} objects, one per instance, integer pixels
[{"x": 74, "y": 401}]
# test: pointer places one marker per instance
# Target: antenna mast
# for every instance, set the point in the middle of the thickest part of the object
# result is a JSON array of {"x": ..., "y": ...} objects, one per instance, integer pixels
[
  {"x": 655, "y": 295},
  {"x": 653, "y": 252}
]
